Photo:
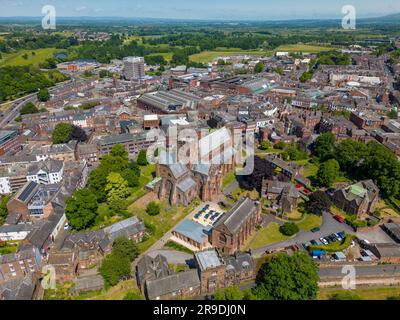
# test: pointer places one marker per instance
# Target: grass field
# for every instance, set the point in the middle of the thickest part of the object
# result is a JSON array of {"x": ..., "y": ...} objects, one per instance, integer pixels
[
  {"x": 208, "y": 56},
  {"x": 366, "y": 293},
  {"x": 146, "y": 176},
  {"x": 302, "y": 48},
  {"x": 311, "y": 221},
  {"x": 159, "y": 225},
  {"x": 16, "y": 59},
  {"x": 228, "y": 179},
  {"x": 167, "y": 55},
  {"x": 266, "y": 236}
]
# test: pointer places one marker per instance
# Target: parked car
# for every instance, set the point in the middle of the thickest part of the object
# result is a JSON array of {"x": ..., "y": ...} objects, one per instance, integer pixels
[
  {"x": 295, "y": 248},
  {"x": 66, "y": 226},
  {"x": 314, "y": 243},
  {"x": 314, "y": 230},
  {"x": 342, "y": 234},
  {"x": 324, "y": 241},
  {"x": 339, "y": 219}
]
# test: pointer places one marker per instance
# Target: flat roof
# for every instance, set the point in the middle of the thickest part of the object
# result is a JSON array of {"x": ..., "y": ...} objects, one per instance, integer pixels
[
  {"x": 208, "y": 259},
  {"x": 192, "y": 230}
]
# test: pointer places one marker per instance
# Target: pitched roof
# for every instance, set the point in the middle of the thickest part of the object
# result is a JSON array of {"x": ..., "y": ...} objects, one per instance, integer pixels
[
  {"x": 172, "y": 283},
  {"x": 238, "y": 215}
]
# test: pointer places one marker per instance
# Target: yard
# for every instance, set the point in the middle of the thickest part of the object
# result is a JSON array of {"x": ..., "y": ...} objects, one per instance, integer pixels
[
  {"x": 266, "y": 236},
  {"x": 159, "y": 225},
  {"x": 117, "y": 292},
  {"x": 208, "y": 56},
  {"x": 228, "y": 179},
  {"x": 302, "y": 48},
  {"x": 146, "y": 176},
  {"x": 310, "y": 221},
  {"x": 16, "y": 58},
  {"x": 365, "y": 293}
]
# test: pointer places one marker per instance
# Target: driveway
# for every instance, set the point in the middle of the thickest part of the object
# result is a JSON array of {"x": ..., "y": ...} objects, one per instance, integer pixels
[{"x": 329, "y": 226}]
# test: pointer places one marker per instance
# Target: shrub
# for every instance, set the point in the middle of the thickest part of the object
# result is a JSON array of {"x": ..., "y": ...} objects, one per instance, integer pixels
[
  {"x": 289, "y": 229},
  {"x": 153, "y": 209}
]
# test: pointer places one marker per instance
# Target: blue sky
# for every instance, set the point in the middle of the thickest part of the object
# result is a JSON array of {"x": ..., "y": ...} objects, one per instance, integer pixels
[{"x": 202, "y": 9}]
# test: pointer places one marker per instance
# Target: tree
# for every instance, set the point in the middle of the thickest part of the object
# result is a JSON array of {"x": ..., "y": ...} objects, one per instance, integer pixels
[
  {"x": 133, "y": 296},
  {"x": 131, "y": 177},
  {"x": 126, "y": 248},
  {"x": 293, "y": 153},
  {"x": 62, "y": 133},
  {"x": 324, "y": 145},
  {"x": 254, "y": 180},
  {"x": 393, "y": 114},
  {"x": 280, "y": 145},
  {"x": 115, "y": 268},
  {"x": 153, "y": 209},
  {"x": 264, "y": 145},
  {"x": 78, "y": 134},
  {"x": 119, "y": 151},
  {"x": 289, "y": 229},
  {"x": 117, "y": 190},
  {"x": 328, "y": 173},
  {"x": 318, "y": 202},
  {"x": 3, "y": 209},
  {"x": 29, "y": 108},
  {"x": 231, "y": 293},
  {"x": 81, "y": 209},
  {"x": 349, "y": 154},
  {"x": 287, "y": 277},
  {"x": 279, "y": 70},
  {"x": 142, "y": 158},
  {"x": 43, "y": 95},
  {"x": 259, "y": 67}
]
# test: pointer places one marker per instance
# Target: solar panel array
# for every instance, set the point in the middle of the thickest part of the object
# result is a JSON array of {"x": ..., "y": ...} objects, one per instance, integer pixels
[{"x": 27, "y": 191}]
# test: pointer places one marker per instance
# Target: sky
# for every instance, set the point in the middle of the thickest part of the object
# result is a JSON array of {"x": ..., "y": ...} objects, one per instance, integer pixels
[{"x": 202, "y": 9}]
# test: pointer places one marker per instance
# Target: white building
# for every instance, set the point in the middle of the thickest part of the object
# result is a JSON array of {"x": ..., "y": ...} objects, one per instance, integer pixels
[
  {"x": 46, "y": 172},
  {"x": 134, "y": 68}
]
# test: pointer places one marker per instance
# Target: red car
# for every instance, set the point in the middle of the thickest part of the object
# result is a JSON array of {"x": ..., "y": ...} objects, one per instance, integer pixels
[
  {"x": 339, "y": 219},
  {"x": 295, "y": 248}
]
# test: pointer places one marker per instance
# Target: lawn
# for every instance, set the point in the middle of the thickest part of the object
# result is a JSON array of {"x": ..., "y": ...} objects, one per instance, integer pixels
[
  {"x": 266, "y": 236},
  {"x": 208, "y": 56},
  {"x": 310, "y": 221},
  {"x": 365, "y": 293},
  {"x": 178, "y": 247},
  {"x": 16, "y": 59},
  {"x": 159, "y": 225},
  {"x": 228, "y": 179},
  {"x": 146, "y": 176},
  {"x": 117, "y": 292},
  {"x": 302, "y": 48}
]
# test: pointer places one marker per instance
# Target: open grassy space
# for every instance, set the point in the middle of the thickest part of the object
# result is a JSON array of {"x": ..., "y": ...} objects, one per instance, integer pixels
[
  {"x": 228, "y": 179},
  {"x": 302, "y": 48},
  {"x": 146, "y": 176},
  {"x": 16, "y": 59},
  {"x": 310, "y": 221},
  {"x": 208, "y": 56},
  {"x": 159, "y": 225},
  {"x": 178, "y": 247},
  {"x": 365, "y": 293},
  {"x": 266, "y": 236},
  {"x": 167, "y": 55},
  {"x": 117, "y": 292}
]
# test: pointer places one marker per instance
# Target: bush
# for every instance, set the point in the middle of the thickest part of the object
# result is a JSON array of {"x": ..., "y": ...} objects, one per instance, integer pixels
[
  {"x": 153, "y": 209},
  {"x": 289, "y": 229}
]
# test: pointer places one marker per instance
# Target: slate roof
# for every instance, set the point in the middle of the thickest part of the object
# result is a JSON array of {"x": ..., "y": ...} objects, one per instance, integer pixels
[
  {"x": 186, "y": 184},
  {"x": 178, "y": 169},
  {"x": 172, "y": 283},
  {"x": 18, "y": 289},
  {"x": 126, "y": 228},
  {"x": 149, "y": 268},
  {"x": 239, "y": 262},
  {"x": 238, "y": 215}
]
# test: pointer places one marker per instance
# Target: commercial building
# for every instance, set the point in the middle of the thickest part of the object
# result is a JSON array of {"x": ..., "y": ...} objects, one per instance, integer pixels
[
  {"x": 9, "y": 141},
  {"x": 134, "y": 68}
]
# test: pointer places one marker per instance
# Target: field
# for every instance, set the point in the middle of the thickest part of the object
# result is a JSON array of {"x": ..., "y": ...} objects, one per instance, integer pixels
[
  {"x": 16, "y": 59},
  {"x": 266, "y": 236},
  {"x": 208, "y": 56},
  {"x": 159, "y": 225},
  {"x": 310, "y": 221},
  {"x": 366, "y": 293},
  {"x": 146, "y": 176},
  {"x": 302, "y": 48}
]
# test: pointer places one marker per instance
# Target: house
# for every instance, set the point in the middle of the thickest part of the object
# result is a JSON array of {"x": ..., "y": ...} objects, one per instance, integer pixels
[
  {"x": 174, "y": 286},
  {"x": 239, "y": 268},
  {"x": 149, "y": 268},
  {"x": 24, "y": 288},
  {"x": 211, "y": 270},
  {"x": 18, "y": 265},
  {"x": 87, "y": 152},
  {"x": 359, "y": 199},
  {"x": 65, "y": 264},
  {"x": 9, "y": 142},
  {"x": 236, "y": 226},
  {"x": 16, "y": 232},
  {"x": 283, "y": 194},
  {"x": 386, "y": 252}
]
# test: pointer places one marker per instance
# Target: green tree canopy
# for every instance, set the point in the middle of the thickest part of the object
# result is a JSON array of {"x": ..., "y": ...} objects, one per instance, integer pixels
[
  {"x": 318, "y": 202},
  {"x": 153, "y": 209},
  {"x": 142, "y": 158},
  {"x": 287, "y": 277},
  {"x": 289, "y": 229},
  {"x": 125, "y": 247},
  {"x": 231, "y": 293},
  {"x": 81, "y": 209},
  {"x": 324, "y": 145},
  {"x": 328, "y": 173},
  {"x": 62, "y": 133},
  {"x": 29, "y": 108},
  {"x": 3, "y": 209},
  {"x": 43, "y": 95},
  {"x": 259, "y": 67}
]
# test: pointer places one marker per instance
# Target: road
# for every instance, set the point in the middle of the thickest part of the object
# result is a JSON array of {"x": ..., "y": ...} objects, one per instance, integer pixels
[{"x": 329, "y": 226}]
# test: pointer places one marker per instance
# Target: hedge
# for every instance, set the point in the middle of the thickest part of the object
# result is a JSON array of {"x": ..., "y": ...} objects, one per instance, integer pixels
[{"x": 335, "y": 246}]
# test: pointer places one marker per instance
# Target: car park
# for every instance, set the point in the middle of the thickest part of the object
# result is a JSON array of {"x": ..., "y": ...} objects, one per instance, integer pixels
[{"x": 314, "y": 230}]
